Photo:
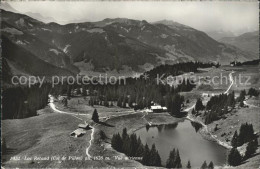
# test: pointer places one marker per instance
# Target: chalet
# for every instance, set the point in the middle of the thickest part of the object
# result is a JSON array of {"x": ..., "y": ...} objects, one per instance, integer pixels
[
  {"x": 234, "y": 63},
  {"x": 83, "y": 126},
  {"x": 205, "y": 95},
  {"x": 158, "y": 109}
]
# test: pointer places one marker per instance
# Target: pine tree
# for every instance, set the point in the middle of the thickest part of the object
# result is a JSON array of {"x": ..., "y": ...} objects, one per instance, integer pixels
[
  {"x": 84, "y": 92},
  {"x": 146, "y": 155},
  {"x": 124, "y": 134},
  {"x": 211, "y": 165},
  {"x": 193, "y": 112},
  {"x": 3, "y": 145},
  {"x": 78, "y": 91},
  {"x": 171, "y": 159},
  {"x": 234, "y": 157},
  {"x": 126, "y": 147},
  {"x": 155, "y": 159},
  {"x": 158, "y": 162},
  {"x": 111, "y": 104},
  {"x": 241, "y": 103},
  {"x": 199, "y": 105},
  {"x": 65, "y": 101},
  {"x": 140, "y": 148},
  {"x": 234, "y": 140},
  {"x": 177, "y": 161},
  {"x": 246, "y": 133},
  {"x": 251, "y": 148},
  {"x": 241, "y": 96},
  {"x": 188, "y": 165},
  {"x": 253, "y": 92},
  {"x": 133, "y": 144},
  {"x": 119, "y": 102},
  {"x": 231, "y": 99},
  {"x": 204, "y": 165},
  {"x": 106, "y": 104},
  {"x": 116, "y": 142},
  {"x": 95, "y": 117}
]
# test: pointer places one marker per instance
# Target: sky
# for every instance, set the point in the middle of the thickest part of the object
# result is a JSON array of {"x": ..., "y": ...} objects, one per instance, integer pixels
[{"x": 236, "y": 17}]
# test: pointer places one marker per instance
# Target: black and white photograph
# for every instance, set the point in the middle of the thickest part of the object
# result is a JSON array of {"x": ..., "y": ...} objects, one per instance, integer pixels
[{"x": 136, "y": 84}]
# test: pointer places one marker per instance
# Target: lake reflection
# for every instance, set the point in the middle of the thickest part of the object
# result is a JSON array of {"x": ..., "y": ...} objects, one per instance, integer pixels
[{"x": 184, "y": 136}]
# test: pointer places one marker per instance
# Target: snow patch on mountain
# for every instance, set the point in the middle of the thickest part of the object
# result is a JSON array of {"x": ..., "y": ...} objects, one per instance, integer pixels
[
  {"x": 106, "y": 38},
  {"x": 121, "y": 35},
  {"x": 46, "y": 29},
  {"x": 176, "y": 35},
  {"x": 163, "y": 36},
  {"x": 55, "y": 51},
  {"x": 19, "y": 42},
  {"x": 65, "y": 50},
  {"x": 12, "y": 31},
  {"x": 109, "y": 23},
  {"x": 20, "y": 22},
  {"x": 96, "y": 30},
  {"x": 125, "y": 29},
  {"x": 170, "y": 48}
]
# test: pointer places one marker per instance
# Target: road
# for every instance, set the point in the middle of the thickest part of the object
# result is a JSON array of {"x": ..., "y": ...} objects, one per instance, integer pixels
[
  {"x": 53, "y": 107},
  {"x": 232, "y": 82}
]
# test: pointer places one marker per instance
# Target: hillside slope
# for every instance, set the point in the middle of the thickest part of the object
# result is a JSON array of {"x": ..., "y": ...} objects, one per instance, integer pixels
[{"x": 22, "y": 61}]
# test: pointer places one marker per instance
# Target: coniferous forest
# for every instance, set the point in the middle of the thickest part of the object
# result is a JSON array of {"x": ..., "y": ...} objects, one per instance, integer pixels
[
  {"x": 245, "y": 135},
  {"x": 21, "y": 101}
]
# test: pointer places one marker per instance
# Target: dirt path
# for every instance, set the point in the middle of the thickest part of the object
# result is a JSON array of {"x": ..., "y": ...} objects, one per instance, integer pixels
[
  {"x": 53, "y": 107},
  {"x": 90, "y": 142}
]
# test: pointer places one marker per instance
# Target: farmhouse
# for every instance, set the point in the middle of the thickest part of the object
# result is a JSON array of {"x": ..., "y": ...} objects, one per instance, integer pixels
[{"x": 78, "y": 132}]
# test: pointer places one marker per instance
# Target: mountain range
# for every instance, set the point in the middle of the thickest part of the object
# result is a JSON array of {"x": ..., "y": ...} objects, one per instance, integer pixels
[
  {"x": 115, "y": 46},
  {"x": 219, "y": 34},
  {"x": 248, "y": 42}
]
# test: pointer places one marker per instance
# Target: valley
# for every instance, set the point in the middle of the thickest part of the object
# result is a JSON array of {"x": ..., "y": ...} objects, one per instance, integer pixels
[{"x": 102, "y": 85}]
